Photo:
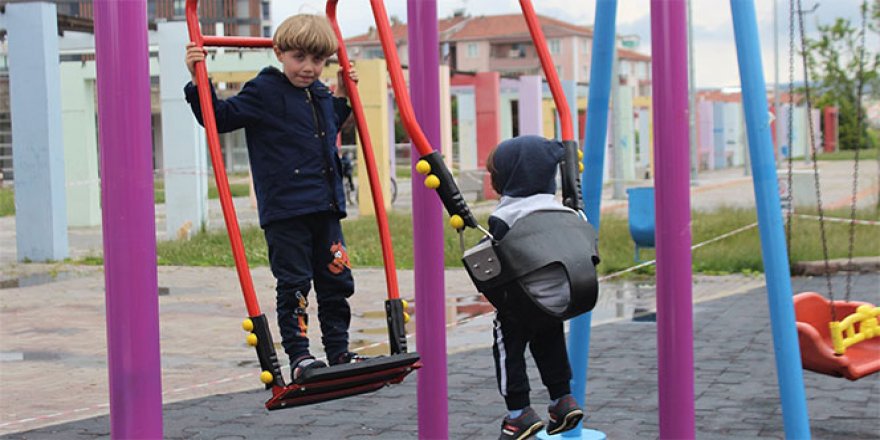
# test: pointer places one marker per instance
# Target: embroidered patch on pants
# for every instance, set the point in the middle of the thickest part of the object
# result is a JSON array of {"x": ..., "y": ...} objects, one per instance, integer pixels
[{"x": 340, "y": 259}]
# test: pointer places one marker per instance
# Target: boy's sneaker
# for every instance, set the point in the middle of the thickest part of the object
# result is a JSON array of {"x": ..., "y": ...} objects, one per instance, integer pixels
[
  {"x": 522, "y": 427},
  {"x": 349, "y": 357},
  {"x": 304, "y": 365},
  {"x": 565, "y": 415}
]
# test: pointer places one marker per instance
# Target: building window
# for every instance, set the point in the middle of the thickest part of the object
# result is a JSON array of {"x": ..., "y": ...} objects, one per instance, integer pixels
[
  {"x": 555, "y": 46},
  {"x": 267, "y": 31},
  {"x": 625, "y": 68},
  {"x": 585, "y": 45},
  {"x": 267, "y": 12},
  {"x": 517, "y": 51},
  {"x": 179, "y": 8},
  {"x": 374, "y": 53},
  {"x": 473, "y": 50}
]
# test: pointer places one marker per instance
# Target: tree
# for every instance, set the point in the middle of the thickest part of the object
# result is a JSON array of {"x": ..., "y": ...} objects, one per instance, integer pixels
[{"x": 834, "y": 70}]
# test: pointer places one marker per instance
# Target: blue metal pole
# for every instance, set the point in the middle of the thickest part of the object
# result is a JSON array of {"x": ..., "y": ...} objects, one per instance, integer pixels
[
  {"x": 591, "y": 180},
  {"x": 776, "y": 266}
]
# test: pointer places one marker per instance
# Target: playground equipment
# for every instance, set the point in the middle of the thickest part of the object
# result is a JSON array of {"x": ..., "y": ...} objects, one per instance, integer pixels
[
  {"x": 323, "y": 384},
  {"x": 641, "y": 217},
  {"x": 794, "y": 408},
  {"x": 439, "y": 177},
  {"x": 842, "y": 347}
]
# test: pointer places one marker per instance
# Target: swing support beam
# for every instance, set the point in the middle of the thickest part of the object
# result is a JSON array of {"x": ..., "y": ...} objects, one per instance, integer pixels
[{"x": 773, "y": 248}]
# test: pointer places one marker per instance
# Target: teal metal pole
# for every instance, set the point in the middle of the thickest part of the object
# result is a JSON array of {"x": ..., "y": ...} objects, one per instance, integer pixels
[
  {"x": 591, "y": 186},
  {"x": 789, "y": 372}
]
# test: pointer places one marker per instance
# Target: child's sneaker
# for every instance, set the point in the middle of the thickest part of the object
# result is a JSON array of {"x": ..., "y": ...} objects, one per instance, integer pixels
[
  {"x": 565, "y": 415},
  {"x": 349, "y": 357},
  {"x": 306, "y": 364},
  {"x": 526, "y": 425}
]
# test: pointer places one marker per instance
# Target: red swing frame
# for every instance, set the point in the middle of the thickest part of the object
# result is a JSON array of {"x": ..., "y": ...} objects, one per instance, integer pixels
[{"x": 327, "y": 383}]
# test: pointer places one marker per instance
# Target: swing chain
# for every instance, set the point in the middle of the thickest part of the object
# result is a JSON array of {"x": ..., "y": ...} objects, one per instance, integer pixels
[
  {"x": 859, "y": 116},
  {"x": 461, "y": 240},
  {"x": 813, "y": 157}
]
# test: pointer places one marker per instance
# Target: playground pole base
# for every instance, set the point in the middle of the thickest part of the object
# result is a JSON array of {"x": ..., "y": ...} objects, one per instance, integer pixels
[{"x": 586, "y": 434}]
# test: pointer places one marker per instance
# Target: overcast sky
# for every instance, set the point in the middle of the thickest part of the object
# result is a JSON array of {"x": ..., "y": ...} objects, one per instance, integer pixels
[{"x": 714, "y": 49}]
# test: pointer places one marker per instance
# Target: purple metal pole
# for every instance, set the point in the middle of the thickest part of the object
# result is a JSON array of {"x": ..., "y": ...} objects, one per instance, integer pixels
[
  {"x": 673, "y": 237},
  {"x": 129, "y": 227},
  {"x": 424, "y": 83}
]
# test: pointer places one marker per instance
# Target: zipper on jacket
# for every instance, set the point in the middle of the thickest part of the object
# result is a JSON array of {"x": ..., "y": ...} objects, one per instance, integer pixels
[{"x": 319, "y": 133}]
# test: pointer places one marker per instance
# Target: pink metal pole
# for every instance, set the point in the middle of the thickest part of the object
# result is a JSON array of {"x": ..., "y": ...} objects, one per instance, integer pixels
[
  {"x": 424, "y": 68},
  {"x": 673, "y": 236},
  {"x": 123, "y": 83}
]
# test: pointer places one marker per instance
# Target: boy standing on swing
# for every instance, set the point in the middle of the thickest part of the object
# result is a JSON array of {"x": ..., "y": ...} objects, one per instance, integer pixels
[
  {"x": 523, "y": 172},
  {"x": 291, "y": 122}
]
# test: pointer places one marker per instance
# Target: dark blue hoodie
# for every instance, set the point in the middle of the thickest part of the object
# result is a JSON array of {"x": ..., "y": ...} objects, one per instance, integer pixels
[
  {"x": 526, "y": 165},
  {"x": 291, "y": 138},
  {"x": 525, "y": 172}
]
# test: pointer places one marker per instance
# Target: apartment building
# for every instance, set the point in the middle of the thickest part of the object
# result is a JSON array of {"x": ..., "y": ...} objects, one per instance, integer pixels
[
  {"x": 502, "y": 43},
  {"x": 234, "y": 17}
]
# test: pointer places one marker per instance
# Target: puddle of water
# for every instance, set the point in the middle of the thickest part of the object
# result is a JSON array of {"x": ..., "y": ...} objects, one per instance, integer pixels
[
  {"x": 11, "y": 356},
  {"x": 17, "y": 356},
  {"x": 35, "y": 279}
]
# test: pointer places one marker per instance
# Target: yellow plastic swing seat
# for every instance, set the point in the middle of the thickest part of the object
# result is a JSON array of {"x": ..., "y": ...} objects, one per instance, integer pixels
[{"x": 813, "y": 315}]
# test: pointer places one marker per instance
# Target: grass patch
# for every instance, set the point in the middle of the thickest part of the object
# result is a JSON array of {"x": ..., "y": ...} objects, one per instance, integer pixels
[
  {"x": 7, "y": 202},
  {"x": 237, "y": 190},
  {"x": 867, "y": 154},
  {"x": 740, "y": 253}
]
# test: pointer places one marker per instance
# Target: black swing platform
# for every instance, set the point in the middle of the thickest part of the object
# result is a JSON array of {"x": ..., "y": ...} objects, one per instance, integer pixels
[{"x": 324, "y": 384}]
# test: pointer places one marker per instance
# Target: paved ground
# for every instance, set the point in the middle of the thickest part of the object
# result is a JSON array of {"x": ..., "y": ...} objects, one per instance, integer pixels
[{"x": 736, "y": 395}]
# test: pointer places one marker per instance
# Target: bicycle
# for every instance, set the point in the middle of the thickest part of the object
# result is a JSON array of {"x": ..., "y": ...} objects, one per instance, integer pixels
[{"x": 351, "y": 189}]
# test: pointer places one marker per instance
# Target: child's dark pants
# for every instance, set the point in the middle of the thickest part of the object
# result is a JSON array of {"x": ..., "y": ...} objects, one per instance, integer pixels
[
  {"x": 518, "y": 323},
  {"x": 301, "y": 250}
]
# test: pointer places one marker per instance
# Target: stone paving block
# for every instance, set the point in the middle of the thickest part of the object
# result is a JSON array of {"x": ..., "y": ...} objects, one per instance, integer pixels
[{"x": 736, "y": 394}]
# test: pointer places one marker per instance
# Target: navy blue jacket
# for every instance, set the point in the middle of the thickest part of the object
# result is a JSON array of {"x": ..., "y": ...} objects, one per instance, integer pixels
[{"x": 291, "y": 138}]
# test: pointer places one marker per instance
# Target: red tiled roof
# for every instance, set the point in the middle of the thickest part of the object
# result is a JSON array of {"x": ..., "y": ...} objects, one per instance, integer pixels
[
  {"x": 483, "y": 27},
  {"x": 626, "y": 54},
  {"x": 400, "y": 31},
  {"x": 508, "y": 25}
]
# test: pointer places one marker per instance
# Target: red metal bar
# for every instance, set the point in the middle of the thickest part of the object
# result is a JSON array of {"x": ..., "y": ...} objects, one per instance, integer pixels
[
  {"x": 398, "y": 83},
  {"x": 369, "y": 159},
  {"x": 213, "y": 41},
  {"x": 241, "y": 264},
  {"x": 549, "y": 69}
]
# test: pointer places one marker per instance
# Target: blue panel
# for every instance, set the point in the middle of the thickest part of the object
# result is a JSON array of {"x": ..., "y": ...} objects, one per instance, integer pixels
[
  {"x": 37, "y": 146},
  {"x": 641, "y": 215}
]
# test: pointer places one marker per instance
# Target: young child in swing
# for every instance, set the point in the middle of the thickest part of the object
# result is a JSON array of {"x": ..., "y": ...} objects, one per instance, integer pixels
[
  {"x": 523, "y": 172},
  {"x": 291, "y": 121}
]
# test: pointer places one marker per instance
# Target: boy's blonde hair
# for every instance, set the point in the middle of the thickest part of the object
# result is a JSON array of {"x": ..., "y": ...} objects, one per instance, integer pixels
[{"x": 311, "y": 34}]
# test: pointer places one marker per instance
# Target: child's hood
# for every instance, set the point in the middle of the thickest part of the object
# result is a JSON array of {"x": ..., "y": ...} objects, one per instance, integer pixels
[{"x": 527, "y": 165}]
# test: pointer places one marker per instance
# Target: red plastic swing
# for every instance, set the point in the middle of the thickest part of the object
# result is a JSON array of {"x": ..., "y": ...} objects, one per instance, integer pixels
[{"x": 813, "y": 313}]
